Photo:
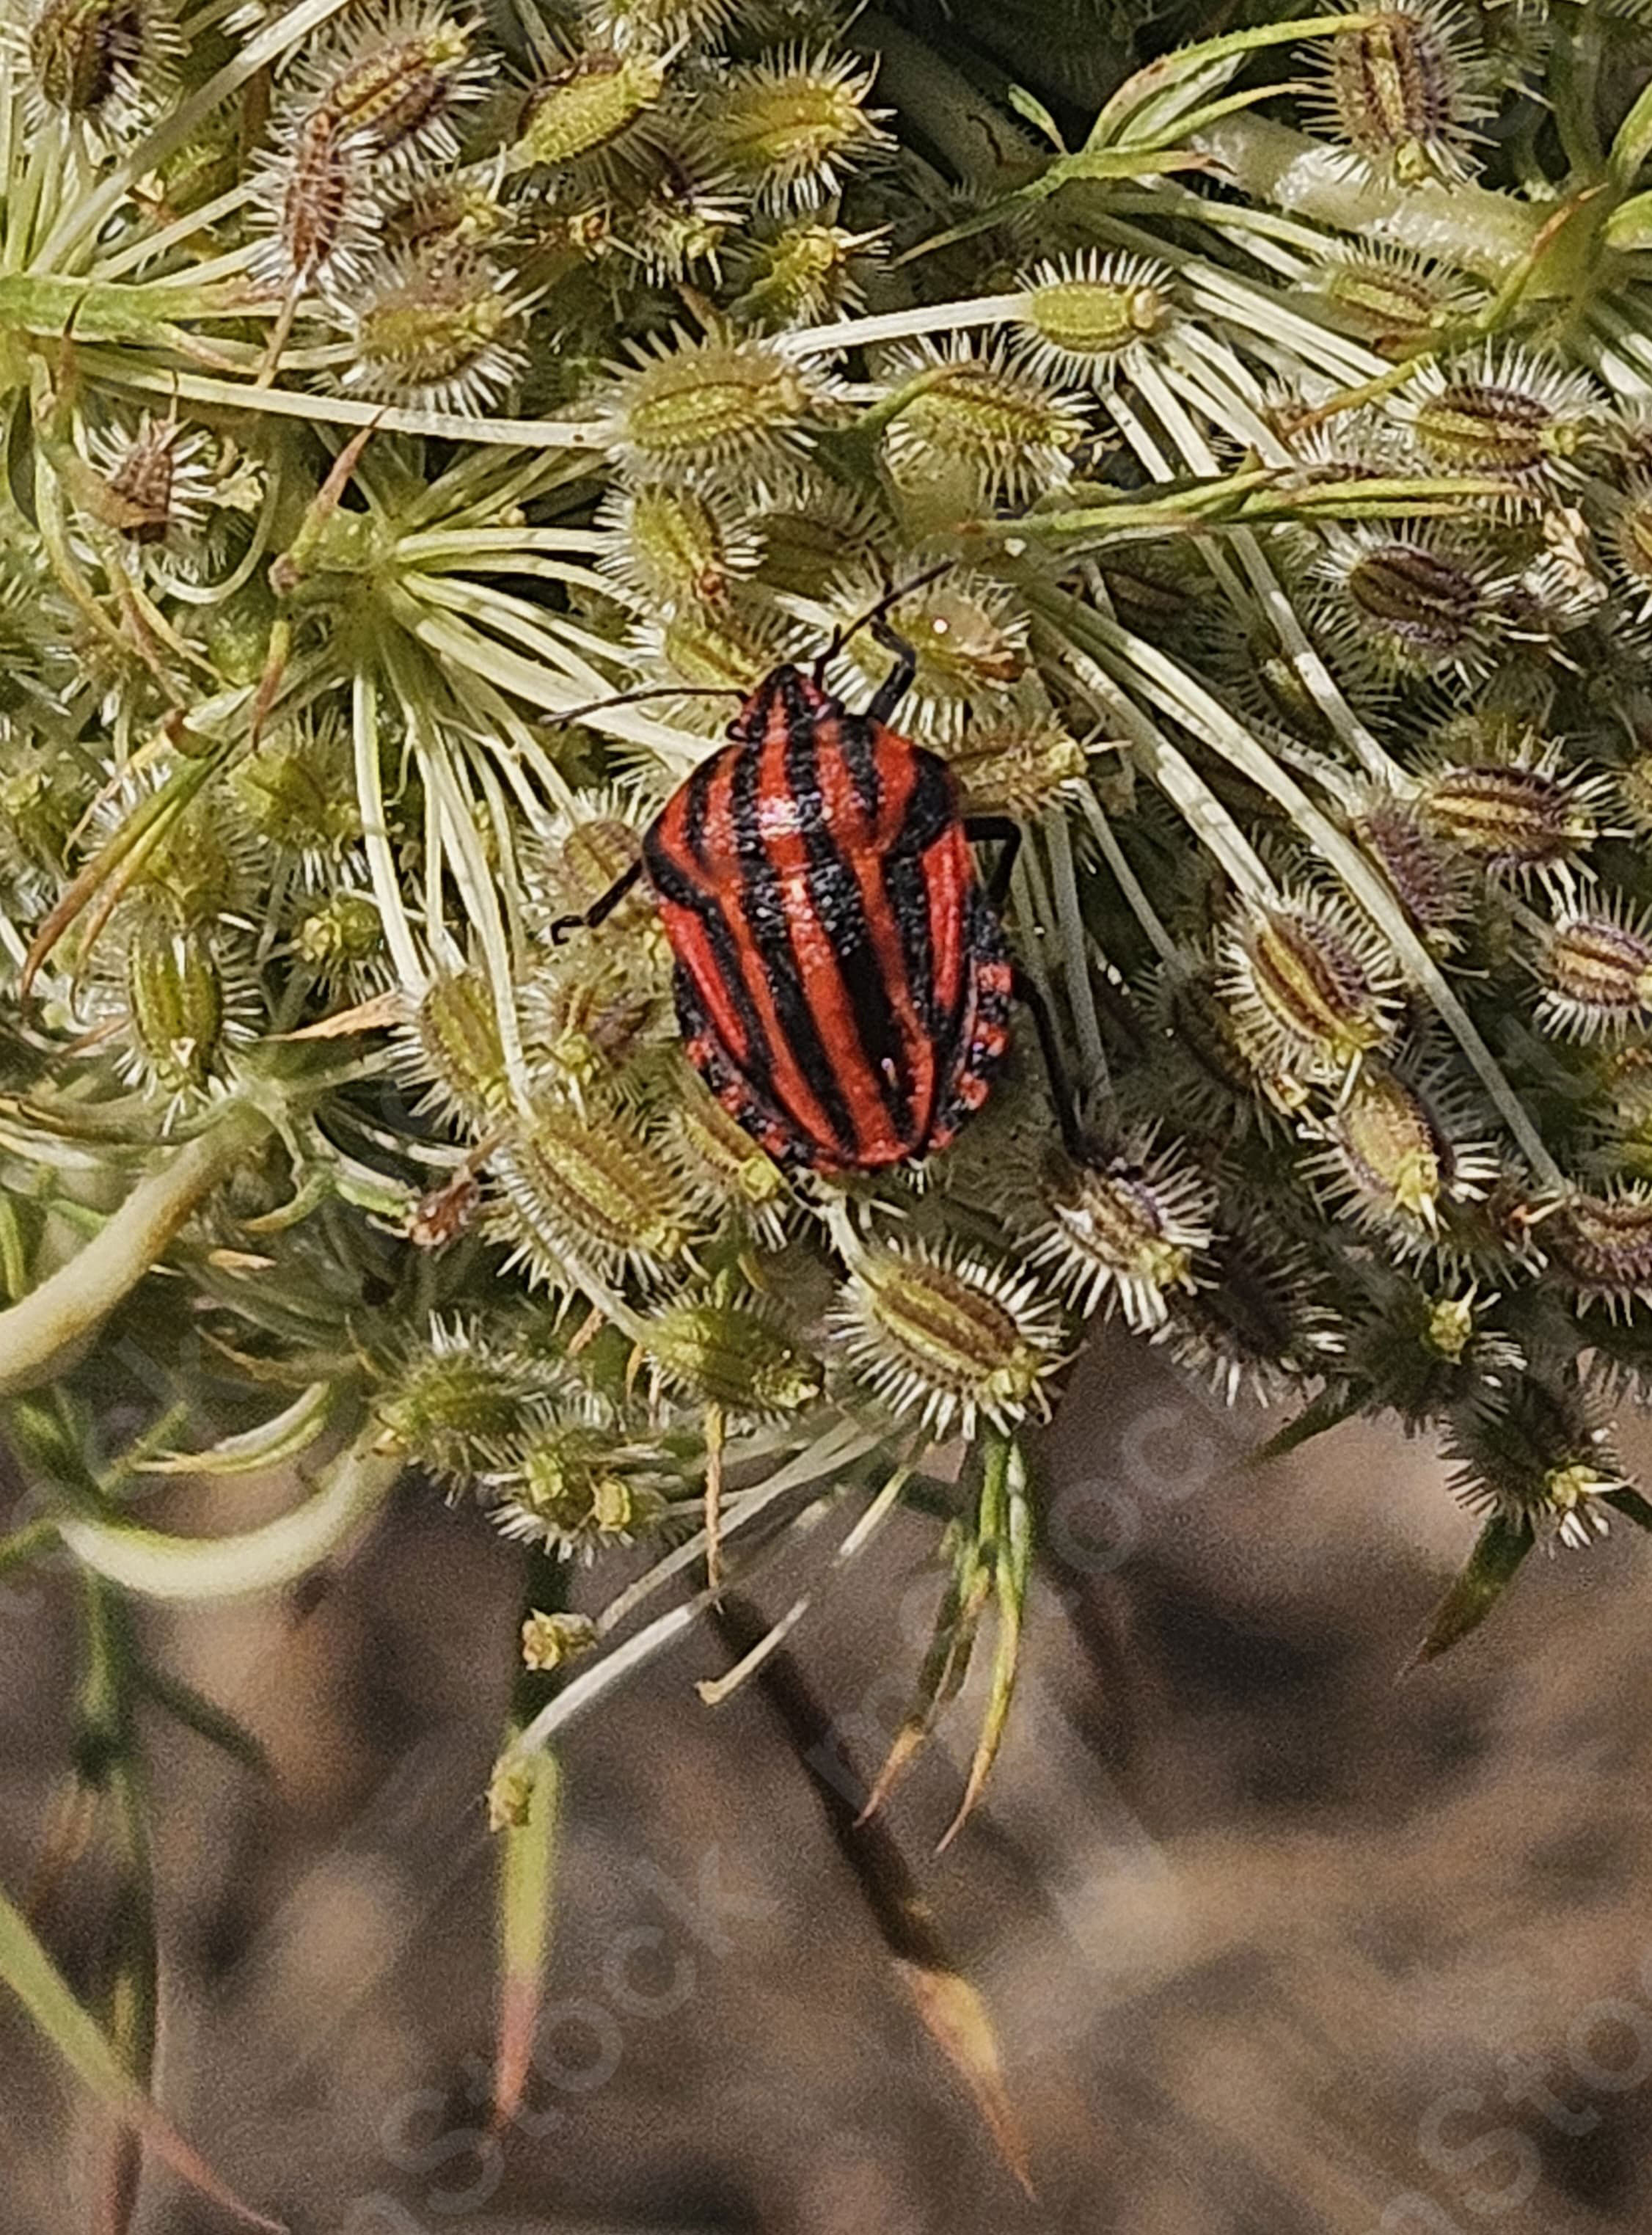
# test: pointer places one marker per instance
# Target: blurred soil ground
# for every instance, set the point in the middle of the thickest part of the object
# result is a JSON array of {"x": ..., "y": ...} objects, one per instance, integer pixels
[{"x": 1274, "y": 1942}]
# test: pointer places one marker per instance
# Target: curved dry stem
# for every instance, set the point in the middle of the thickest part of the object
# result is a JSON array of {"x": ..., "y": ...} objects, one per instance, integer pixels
[{"x": 46, "y": 1333}]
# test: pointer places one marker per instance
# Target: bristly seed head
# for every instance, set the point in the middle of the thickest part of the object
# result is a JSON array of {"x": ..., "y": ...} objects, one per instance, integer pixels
[
  {"x": 689, "y": 404},
  {"x": 722, "y": 1168},
  {"x": 1431, "y": 879},
  {"x": 1629, "y": 545},
  {"x": 588, "y": 106},
  {"x": 155, "y": 481},
  {"x": 1005, "y": 430},
  {"x": 395, "y": 83},
  {"x": 571, "y": 1493},
  {"x": 462, "y": 1402},
  {"x": 457, "y": 1048},
  {"x": 732, "y": 1353},
  {"x": 1534, "y": 1455},
  {"x": 1603, "y": 1244},
  {"x": 1505, "y": 413},
  {"x": 970, "y": 637},
  {"x": 1595, "y": 968},
  {"x": 1394, "y": 1162},
  {"x": 436, "y": 328},
  {"x": 948, "y": 1337},
  {"x": 1088, "y": 317},
  {"x": 802, "y": 275},
  {"x": 1408, "y": 603},
  {"x": 589, "y": 1187},
  {"x": 1313, "y": 987},
  {"x": 1388, "y": 297},
  {"x": 1525, "y": 816},
  {"x": 1017, "y": 764},
  {"x": 1123, "y": 1229},
  {"x": 1402, "y": 91},
  {"x": 550, "y": 1641},
  {"x": 315, "y": 201},
  {"x": 179, "y": 1012},
  {"x": 787, "y": 129},
  {"x": 297, "y": 796},
  {"x": 95, "y": 61},
  {"x": 673, "y": 545}
]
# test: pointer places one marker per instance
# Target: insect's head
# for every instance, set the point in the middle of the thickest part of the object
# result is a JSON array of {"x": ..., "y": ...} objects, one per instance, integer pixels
[
  {"x": 876, "y": 617},
  {"x": 795, "y": 696}
]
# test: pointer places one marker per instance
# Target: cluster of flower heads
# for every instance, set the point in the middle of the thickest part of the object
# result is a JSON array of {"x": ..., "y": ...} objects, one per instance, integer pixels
[{"x": 1295, "y": 604}]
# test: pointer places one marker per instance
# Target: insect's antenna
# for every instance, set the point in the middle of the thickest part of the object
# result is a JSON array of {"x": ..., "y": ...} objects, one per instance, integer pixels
[
  {"x": 873, "y": 614},
  {"x": 651, "y": 691}
]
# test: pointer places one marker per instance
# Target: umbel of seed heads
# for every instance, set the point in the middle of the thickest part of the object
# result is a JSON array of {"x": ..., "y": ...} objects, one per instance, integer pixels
[{"x": 842, "y": 982}]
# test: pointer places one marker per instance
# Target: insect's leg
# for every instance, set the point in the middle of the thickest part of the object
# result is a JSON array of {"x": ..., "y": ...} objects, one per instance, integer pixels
[
  {"x": 602, "y": 910},
  {"x": 824, "y": 660},
  {"x": 896, "y": 684},
  {"x": 996, "y": 830},
  {"x": 1060, "y": 1091}
]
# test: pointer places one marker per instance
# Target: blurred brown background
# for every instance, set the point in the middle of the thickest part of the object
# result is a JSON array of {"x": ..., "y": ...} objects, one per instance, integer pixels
[{"x": 1273, "y": 1943}]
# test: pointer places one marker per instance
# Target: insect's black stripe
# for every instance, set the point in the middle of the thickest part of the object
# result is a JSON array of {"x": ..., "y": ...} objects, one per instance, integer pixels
[
  {"x": 671, "y": 882},
  {"x": 856, "y": 741},
  {"x": 764, "y": 909},
  {"x": 931, "y": 810},
  {"x": 908, "y": 889},
  {"x": 696, "y": 805},
  {"x": 834, "y": 893}
]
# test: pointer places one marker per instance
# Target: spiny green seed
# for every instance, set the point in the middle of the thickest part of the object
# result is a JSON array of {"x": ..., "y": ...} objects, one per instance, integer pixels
[
  {"x": 708, "y": 402},
  {"x": 1084, "y": 318},
  {"x": 949, "y": 1334},
  {"x": 725, "y": 1355},
  {"x": 458, "y": 1411},
  {"x": 771, "y": 130},
  {"x": 1391, "y": 307},
  {"x": 395, "y": 93},
  {"x": 458, "y": 1030},
  {"x": 1313, "y": 986},
  {"x": 720, "y": 1148},
  {"x": 430, "y": 328},
  {"x": 676, "y": 546},
  {"x": 1017, "y": 767},
  {"x": 345, "y": 929},
  {"x": 1478, "y": 427},
  {"x": 600, "y": 1186},
  {"x": 549, "y": 1641},
  {"x": 176, "y": 995},
  {"x": 1599, "y": 968},
  {"x": 1394, "y": 88},
  {"x": 1604, "y": 1242},
  {"x": 588, "y": 106},
  {"x": 1394, "y": 1156}
]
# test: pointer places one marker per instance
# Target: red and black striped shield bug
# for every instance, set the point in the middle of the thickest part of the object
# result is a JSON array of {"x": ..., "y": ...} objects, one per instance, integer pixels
[{"x": 842, "y": 980}]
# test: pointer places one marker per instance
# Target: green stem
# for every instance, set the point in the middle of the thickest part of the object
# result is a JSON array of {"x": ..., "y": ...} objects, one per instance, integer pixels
[
  {"x": 45, "y": 1335},
  {"x": 1467, "y": 226},
  {"x": 1573, "y": 87},
  {"x": 109, "y": 1762},
  {"x": 264, "y": 1559}
]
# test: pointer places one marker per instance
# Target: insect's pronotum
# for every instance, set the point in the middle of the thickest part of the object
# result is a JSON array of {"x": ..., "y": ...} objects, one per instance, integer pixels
[{"x": 842, "y": 980}]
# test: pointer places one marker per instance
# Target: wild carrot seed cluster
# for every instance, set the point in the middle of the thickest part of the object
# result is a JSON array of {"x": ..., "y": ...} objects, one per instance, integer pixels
[{"x": 394, "y": 393}]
